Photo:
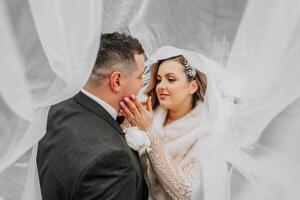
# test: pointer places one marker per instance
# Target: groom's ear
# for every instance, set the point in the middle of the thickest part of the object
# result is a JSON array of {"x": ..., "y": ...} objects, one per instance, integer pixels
[{"x": 114, "y": 80}]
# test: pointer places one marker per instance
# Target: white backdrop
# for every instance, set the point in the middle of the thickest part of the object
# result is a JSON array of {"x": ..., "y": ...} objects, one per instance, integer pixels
[{"x": 47, "y": 52}]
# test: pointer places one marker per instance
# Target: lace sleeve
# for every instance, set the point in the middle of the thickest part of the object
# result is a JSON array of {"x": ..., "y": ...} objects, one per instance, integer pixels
[{"x": 176, "y": 181}]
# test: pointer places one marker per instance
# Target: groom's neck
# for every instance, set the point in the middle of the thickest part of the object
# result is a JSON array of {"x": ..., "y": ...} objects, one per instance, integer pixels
[{"x": 104, "y": 93}]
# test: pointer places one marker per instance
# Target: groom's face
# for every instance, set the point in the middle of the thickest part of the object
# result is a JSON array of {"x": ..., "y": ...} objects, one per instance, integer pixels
[{"x": 134, "y": 82}]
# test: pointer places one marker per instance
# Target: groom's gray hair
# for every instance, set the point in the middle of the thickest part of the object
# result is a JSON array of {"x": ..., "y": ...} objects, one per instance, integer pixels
[{"x": 116, "y": 52}]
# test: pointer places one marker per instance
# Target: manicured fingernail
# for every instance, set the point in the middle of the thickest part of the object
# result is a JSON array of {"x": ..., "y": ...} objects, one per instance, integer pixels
[
  {"x": 132, "y": 96},
  {"x": 126, "y": 99}
]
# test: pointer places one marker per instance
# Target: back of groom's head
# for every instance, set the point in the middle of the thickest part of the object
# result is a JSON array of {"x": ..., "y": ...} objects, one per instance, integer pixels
[{"x": 116, "y": 52}]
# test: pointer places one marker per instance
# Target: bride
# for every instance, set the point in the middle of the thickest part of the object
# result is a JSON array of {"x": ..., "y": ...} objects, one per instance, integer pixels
[{"x": 179, "y": 139}]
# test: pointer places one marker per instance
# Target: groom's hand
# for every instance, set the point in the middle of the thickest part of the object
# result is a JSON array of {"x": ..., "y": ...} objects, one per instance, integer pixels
[{"x": 136, "y": 113}]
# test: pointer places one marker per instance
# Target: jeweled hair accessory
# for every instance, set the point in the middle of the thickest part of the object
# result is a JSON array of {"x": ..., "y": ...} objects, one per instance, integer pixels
[{"x": 189, "y": 70}]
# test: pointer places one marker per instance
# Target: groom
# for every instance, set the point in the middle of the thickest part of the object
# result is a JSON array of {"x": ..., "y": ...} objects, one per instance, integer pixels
[{"x": 84, "y": 155}]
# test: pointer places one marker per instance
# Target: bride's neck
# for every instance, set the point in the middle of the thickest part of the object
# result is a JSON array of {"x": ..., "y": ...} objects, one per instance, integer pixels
[{"x": 176, "y": 113}]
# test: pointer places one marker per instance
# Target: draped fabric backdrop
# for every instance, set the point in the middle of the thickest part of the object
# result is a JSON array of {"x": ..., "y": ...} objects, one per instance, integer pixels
[
  {"x": 47, "y": 53},
  {"x": 48, "y": 50}
]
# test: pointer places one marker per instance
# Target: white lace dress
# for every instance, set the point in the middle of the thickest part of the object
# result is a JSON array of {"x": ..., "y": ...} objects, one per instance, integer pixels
[{"x": 169, "y": 166}]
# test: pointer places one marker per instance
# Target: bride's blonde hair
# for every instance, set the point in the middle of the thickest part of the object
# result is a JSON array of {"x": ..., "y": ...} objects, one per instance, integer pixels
[{"x": 200, "y": 79}]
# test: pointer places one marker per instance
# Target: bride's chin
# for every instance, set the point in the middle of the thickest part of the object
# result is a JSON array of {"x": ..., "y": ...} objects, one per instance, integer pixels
[{"x": 164, "y": 105}]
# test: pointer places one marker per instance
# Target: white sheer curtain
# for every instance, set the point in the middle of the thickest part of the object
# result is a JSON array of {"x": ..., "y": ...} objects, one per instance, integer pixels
[
  {"x": 206, "y": 26},
  {"x": 265, "y": 60},
  {"x": 47, "y": 50},
  {"x": 265, "y": 56}
]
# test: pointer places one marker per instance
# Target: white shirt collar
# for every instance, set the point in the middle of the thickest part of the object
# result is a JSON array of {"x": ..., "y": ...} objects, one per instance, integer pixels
[{"x": 104, "y": 104}]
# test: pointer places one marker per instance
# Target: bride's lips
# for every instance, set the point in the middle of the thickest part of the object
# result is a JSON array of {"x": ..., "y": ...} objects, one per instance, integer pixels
[{"x": 163, "y": 96}]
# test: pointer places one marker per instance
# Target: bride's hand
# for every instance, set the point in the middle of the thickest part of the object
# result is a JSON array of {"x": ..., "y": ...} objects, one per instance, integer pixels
[{"x": 136, "y": 113}]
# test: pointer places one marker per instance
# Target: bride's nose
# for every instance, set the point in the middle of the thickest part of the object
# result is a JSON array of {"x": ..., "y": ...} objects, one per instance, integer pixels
[{"x": 162, "y": 84}]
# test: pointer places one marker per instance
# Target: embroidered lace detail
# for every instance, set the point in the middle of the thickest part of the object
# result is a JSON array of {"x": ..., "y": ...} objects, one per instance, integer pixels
[{"x": 175, "y": 180}]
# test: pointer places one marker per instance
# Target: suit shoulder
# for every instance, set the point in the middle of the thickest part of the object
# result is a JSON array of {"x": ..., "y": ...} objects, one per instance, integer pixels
[{"x": 63, "y": 104}]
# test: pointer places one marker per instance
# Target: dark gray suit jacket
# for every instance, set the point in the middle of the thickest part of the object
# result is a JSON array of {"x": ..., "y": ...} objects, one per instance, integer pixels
[{"x": 84, "y": 155}]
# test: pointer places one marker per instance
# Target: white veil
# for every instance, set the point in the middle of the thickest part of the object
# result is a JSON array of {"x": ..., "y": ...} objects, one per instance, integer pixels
[
  {"x": 48, "y": 49},
  {"x": 47, "y": 52}
]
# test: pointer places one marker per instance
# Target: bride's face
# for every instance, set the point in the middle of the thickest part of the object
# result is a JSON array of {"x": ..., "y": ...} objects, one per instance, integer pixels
[{"x": 173, "y": 88}]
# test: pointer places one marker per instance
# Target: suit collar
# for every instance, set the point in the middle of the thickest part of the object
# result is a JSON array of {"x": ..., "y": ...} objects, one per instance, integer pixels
[
  {"x": 103, "y": 103},
  {"x": 97, "y": 109}
]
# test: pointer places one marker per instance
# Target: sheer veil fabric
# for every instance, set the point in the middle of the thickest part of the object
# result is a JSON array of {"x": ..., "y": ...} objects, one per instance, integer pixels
[{"x": 48, "y": 50}]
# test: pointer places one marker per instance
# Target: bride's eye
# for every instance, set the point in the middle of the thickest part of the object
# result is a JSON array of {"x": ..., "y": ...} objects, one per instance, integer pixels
[
  {"x": 171, "y": 80},
  {"x": 158, "y": 80}
]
